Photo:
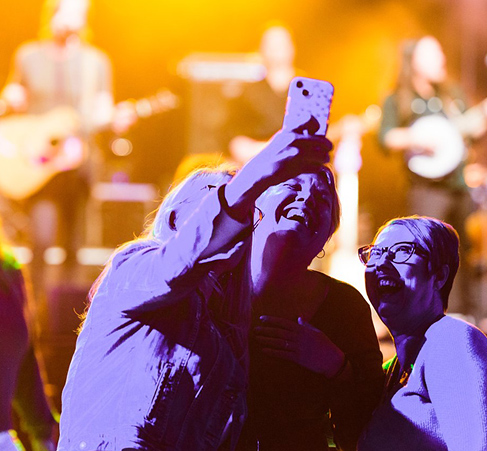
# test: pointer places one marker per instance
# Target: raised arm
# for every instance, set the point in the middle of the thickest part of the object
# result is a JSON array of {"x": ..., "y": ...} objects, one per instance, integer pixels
[{"x": 217, "y": 228}]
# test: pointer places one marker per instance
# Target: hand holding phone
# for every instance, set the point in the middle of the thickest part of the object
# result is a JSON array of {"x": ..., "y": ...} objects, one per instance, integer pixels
[{"x": 308, "y": 106}]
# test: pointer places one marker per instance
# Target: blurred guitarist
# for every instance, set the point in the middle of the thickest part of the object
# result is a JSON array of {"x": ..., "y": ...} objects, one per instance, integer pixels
[
  {"x": 422, "y": 91},
  {"x": 63, "y": 76}
]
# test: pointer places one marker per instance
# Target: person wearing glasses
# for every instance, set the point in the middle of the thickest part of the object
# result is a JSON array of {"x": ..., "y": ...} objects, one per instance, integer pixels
[
  {"x": 419, "y": 122},
  {"x": 313, "y": 349},
  {"x": 435, "y": 395}
]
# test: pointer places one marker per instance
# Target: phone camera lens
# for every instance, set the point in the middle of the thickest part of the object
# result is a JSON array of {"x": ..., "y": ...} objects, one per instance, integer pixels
[
  {"x": 305, "y": 92},
  {"x": 299, "y": 84}
]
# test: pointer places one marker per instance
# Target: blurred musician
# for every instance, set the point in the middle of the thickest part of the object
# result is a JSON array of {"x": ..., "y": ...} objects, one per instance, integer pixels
[
  {"x": 424, "y": 118},
  {"x": 257, "y": 113},
  {"x": 59, "y": 91}
]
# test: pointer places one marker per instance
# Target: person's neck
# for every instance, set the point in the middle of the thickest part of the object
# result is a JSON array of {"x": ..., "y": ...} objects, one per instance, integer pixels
[
  {"x": 423, "y": 87},
  {"x": 274, "y": 267},
  {"x": 62, "y": 47},
  {"x": 288, "y": 295},
  {"x": 408, "y": 344},
  {"x": 278, "y": 280}
]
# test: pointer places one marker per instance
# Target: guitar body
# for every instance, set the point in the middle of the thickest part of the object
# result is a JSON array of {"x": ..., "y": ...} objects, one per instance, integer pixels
[
  {"x": 34, "y": 148},
  {"x": 448, "y": 147}
]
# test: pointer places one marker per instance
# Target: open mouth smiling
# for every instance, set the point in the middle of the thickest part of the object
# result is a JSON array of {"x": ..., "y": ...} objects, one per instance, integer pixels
[
  {"x": 298, "y": 215},
  {"x": 387, "y": 284}
]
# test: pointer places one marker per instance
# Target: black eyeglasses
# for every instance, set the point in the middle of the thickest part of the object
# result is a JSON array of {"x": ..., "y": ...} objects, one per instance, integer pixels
[{"x": 398, "y": 253}]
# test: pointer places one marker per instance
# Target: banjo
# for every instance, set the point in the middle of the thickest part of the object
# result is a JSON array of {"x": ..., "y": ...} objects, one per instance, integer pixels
[{"x": 447, "y": 135}]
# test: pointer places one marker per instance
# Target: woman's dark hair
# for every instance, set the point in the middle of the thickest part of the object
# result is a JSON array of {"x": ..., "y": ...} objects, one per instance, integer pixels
[
  {"x": 335, "y": 201},
  {"x": 404, "y": 87},
  {"x": 439, "y": 239}
]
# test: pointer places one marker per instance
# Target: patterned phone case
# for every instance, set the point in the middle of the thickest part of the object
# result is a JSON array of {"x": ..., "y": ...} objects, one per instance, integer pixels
[{"x": 308, "y": 106}]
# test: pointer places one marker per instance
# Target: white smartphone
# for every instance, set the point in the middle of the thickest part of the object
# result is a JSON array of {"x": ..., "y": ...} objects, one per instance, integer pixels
[{"x": 308, "y": 103}]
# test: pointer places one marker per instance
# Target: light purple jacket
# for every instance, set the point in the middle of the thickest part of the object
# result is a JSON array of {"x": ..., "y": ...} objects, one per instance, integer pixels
[{"x": 151, "y": 371}]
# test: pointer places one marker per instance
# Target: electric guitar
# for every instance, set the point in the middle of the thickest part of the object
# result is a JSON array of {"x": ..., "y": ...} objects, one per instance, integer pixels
[
  {"x": 36, "y": 147},
  {"x": 446, "y": 141}
]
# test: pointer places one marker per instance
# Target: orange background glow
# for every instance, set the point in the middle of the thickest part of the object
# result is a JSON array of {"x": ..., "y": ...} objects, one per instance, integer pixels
[{"x": 352, "y": 43}]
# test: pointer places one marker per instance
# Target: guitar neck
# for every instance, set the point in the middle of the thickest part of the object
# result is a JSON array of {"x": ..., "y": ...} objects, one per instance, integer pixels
[{"x": 161, "y": 102}]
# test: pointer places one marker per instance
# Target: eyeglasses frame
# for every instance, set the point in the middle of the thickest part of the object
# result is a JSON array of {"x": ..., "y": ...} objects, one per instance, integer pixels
[{"x": 417, "y": 249}]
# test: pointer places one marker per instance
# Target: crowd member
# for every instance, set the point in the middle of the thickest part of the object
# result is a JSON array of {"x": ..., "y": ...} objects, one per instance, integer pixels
[
  {"x": 435, "y": 396},
  {"x": 256, "y": 114},
  {"x": 161, "y": 361},
  {"x": 21, "y": 386},
  {"x": 313, "y": 345},
  {"x": 423, "y": 90},
  {"x": 66, "y": 84}
]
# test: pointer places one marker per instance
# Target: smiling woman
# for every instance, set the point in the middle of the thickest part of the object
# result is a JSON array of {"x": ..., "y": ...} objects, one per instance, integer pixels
[
  {"x": 435, "y": 397},
  {"x": 161, "y": 360},
  {"x": 313, "y": 348}
]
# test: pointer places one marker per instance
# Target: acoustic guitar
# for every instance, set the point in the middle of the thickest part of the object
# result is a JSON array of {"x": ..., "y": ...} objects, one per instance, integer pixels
[{"x": 36, "y": 147}]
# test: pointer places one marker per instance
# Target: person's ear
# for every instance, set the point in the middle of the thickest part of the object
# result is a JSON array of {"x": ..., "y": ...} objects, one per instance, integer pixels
[
  {"x": 172, "y": 220},
  {"x": 441, "y": 276}
]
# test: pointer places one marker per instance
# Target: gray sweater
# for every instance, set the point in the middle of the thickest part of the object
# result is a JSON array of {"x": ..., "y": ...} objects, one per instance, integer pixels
[{"x": 443, "y": 404}]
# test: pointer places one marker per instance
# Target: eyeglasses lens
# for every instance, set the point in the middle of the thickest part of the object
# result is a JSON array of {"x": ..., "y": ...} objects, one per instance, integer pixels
[
  {"x": 398, "y": 253},
  {"x": 401, "y": 252}
]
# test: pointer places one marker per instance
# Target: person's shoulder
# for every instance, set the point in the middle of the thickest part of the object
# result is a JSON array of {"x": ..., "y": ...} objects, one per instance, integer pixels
[
  {"x": 449, "y": 333},
  {"x": 131, "y": 249},
  {"x": 30, "y": 48},
  {"x": 95, "y": 53},
  {"x": 10, "y": 271},
  {"x": 341, "y": 286},
  {"x": 454, "y": 351},
  {"x": 342, "y": 292},
  {"x": 8, "y": 259}
]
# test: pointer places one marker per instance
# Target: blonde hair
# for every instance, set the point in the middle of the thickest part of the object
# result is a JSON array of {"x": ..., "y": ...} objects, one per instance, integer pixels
[{"x": 229, "y": 304}]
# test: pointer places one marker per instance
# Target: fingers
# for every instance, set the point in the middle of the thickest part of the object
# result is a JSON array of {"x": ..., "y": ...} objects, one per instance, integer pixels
[
  {"x": 311, "y": 126},
  {"x": 274, "y": 332},
  {"x": 317, "y": 143},
  {"x": 279, "y": 344},
  {"x": 313, "y": 142},
  {"x": 277, "y": 334},
  {"x": 278, "y": 354},
  {"x": 303, "y": 323},
  {"x": 282, "y": 323},
  {"x": 315, "y": 149}
]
